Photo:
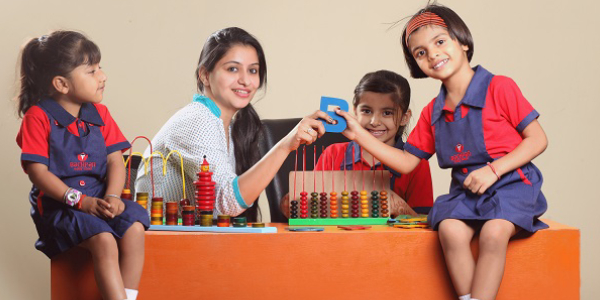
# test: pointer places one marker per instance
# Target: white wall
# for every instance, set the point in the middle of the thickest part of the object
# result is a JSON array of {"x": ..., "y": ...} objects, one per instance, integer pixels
[{"x": 313, "y": 48}]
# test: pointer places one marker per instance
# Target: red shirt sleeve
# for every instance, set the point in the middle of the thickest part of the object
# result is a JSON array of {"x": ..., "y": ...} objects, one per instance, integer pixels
[
  {"x": 421, "y": 141},
  {"x": 33, "y": 136},
  {"x": 416, "y": 186},
  {"x": 511, "y": 103},
  {"x": 113, "y": 137}
]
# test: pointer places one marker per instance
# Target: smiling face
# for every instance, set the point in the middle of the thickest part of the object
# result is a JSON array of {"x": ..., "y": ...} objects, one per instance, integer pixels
[
  {"x": 86, "y": 84},
  {"x": 376, "y": 113},
  {"x": 436, "y": 53},
  {"x": 234, "y": 80}
]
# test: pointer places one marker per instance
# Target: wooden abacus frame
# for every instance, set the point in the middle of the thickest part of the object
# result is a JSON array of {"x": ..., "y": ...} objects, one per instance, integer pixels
[{"x": 352, "y": 178}]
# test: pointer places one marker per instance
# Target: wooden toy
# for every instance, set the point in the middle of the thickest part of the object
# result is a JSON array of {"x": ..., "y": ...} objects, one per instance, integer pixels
[{"x": 356, "y": 207}]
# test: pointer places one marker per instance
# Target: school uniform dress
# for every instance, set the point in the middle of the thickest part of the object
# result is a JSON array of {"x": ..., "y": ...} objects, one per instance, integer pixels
[
  {"x": 195, "y": 131},
  {"x": 485, "y": 125},
  {"x": 415, "y": 187},
  {"x": 75, "y": 150}
]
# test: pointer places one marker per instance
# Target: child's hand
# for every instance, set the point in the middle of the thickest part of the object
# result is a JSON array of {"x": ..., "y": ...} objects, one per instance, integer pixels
[
  {"x": 398, "y": 206},
  {"x": 96, "y": 207},
  {"x": 116, "y": 205},
  {"x": 480, "y": 180},
  {"x": 284, "y": 205},
  {"x": 352, "y": 124},
  {"x": 307, "y": 131}
]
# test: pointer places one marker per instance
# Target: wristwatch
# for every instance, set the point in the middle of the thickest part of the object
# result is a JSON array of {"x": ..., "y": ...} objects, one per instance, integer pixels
[{"x": 72, "y": 197}]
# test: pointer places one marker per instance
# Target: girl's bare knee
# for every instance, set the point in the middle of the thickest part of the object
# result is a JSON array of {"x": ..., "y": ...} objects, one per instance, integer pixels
[
  {"x": 102, "y": 244},
  {"x": 136, "y": 230},
  {"x": 495, "y": 235}
]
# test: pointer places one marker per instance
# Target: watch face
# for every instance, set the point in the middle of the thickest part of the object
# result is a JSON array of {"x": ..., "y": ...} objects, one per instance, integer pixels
[{"x": 72, "y": 197}]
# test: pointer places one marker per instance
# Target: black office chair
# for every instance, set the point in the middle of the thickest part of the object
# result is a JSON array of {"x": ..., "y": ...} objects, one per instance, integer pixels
[{"x": 273, "y": 131}]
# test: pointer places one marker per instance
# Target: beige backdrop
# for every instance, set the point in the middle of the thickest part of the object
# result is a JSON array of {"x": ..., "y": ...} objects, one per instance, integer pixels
[{"x": 313, "y": 48}]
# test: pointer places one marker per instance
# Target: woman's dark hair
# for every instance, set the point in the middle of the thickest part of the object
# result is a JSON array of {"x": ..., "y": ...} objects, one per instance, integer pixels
[
  {"x": 457, "y": 29},
  {"x": 48, "y": 56},
  {"x": 246, "y": 127},
  {"x": 390, "y": 83}
]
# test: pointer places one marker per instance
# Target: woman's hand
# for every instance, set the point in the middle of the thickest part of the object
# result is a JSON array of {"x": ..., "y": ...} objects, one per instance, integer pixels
[
  {"x": 352, "y": 126},
  {"x": 307, "y": 131},
  {"x": 96, "y": 207},
  {"x": 480, "y": 180},
  {"x": 284, "y": 205}
]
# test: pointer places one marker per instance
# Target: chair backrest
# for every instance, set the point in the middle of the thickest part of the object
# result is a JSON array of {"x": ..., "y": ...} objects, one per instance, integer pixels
[{"x": 273, "y": 131}]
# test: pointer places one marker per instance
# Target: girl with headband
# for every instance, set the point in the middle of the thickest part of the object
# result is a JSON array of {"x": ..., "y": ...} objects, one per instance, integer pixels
[{"x": 481, "y": 126}]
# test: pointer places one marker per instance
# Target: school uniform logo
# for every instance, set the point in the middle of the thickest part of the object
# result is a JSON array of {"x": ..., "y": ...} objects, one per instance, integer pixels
[
  {"x": 461, "y": 154},
  {"x": 458, "y": 148},
  {"x": 82, "y": 164},
  {"x": 82, "y": 156}
]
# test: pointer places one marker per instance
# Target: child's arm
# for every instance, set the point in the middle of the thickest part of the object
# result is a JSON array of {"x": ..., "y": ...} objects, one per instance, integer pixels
[
  {"x": 56, "y": 189},
  {"x": 533, "y": 144},
  {"x": 394, "y": 158},
  {"x": 115, "y": 180}
]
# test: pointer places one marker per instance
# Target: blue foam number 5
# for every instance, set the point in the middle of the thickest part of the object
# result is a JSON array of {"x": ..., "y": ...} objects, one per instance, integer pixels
[{"x": 329, "y": 105}]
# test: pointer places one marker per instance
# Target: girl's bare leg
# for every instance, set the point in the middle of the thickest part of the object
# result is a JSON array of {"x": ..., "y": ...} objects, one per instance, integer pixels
[
  {"x": 105, "y": 256},
  {"x": 493, "y": 242},
  {"x": 455, "y": 237},
  {"x": 131, "y": 258}
]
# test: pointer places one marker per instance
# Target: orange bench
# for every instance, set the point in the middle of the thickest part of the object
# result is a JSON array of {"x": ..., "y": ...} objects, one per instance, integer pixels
[{"x": 380, "y": 263}]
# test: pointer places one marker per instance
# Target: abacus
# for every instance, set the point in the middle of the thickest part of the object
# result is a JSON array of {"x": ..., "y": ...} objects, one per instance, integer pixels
[{"x": 357, "y": 207}]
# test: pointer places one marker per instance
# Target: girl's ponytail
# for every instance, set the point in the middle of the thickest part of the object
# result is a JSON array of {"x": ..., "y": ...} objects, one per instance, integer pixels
[
  {"x": 246, "y": 130},
  {"x": 30, "y": 91}
]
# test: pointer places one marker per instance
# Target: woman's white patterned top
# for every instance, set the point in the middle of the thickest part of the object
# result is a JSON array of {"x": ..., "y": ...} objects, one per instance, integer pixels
[{"x": 195, "y": 131}]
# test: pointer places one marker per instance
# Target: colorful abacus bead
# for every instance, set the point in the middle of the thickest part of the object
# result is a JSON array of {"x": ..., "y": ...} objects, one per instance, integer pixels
[
  {"x": 355, "y": 204},
  {"x": 384, "y": 204},
  {"x": 205, "y": 191},
  {"x": 142, "y": 199},
  {"x": 314, "y": 205},
  {"x": 323, "y": 205},
  {"x": 172, "y": 212},
  {"x": 333, "y": 207},
  {"x": 187, "y": 216},
  {"x": 223, "y": 221},
  {"x": 374, "y": 204},
  {"x": 364, "y": 204},
  {"x": 126, "y": 194},
  {"x": 345, "y": 205},
  {"x": 156, "y": 213},
  {"x": 294, "y": 209},
  {"x": 206, "y": 218},
  {"x": 303, "y": 205}
]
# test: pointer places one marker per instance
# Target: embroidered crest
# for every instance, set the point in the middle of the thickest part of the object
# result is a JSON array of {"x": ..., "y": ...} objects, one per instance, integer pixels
[
  {"x": 458, "y": 148},
  {"x": 82, "y": 156}
]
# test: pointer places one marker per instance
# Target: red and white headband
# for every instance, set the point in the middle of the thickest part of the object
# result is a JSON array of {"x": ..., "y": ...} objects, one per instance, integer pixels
[{"x": 423, "y": 19}]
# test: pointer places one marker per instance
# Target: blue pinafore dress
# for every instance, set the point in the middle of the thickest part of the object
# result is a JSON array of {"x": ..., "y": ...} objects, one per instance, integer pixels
[
  {"x": 80, "y": 162},
  {"x": 460, "y": 145}
]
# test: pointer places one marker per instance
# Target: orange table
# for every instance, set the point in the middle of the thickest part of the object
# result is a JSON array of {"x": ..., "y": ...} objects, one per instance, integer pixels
[{"x": 380, "y": 263}]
